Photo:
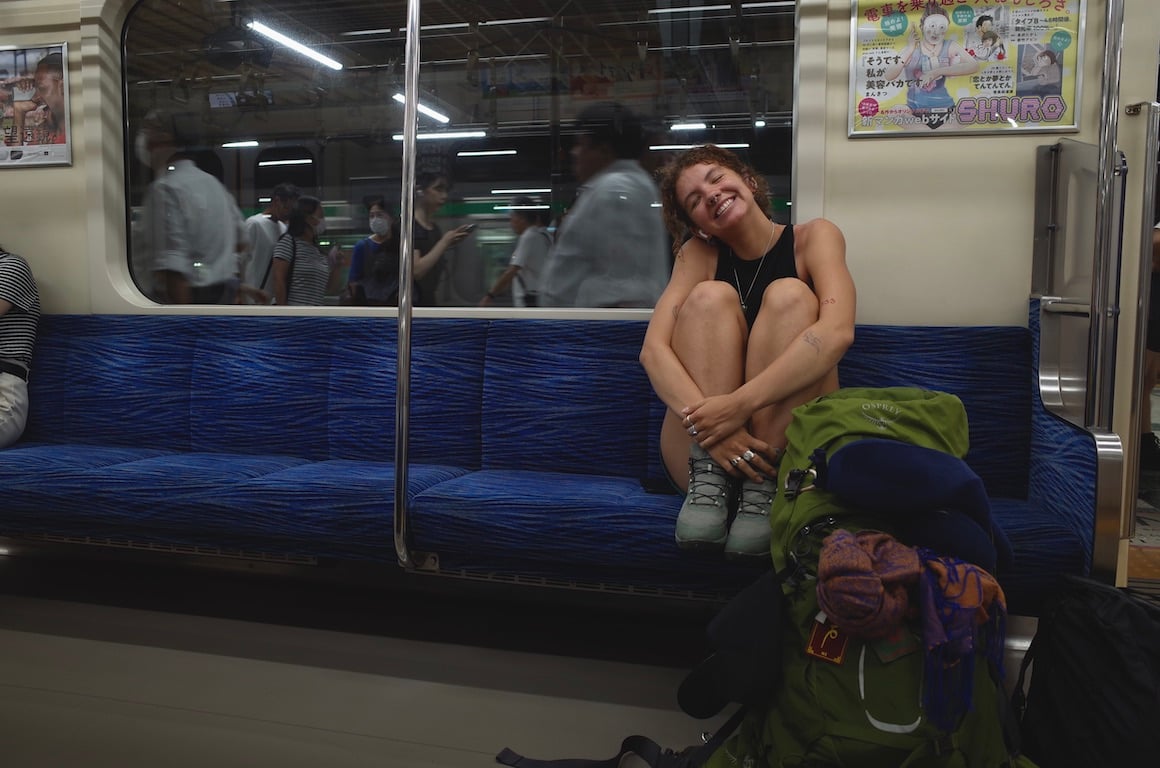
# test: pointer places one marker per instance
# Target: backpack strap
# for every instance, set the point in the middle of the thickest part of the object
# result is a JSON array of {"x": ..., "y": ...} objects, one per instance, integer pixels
[{"x": 648, "y": 750}]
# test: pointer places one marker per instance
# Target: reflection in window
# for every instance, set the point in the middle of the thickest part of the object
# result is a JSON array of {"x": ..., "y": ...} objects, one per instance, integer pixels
[{"x": 502, "y": 89}]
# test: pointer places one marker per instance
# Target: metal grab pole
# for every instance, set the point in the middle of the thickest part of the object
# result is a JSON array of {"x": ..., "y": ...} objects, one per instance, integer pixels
[
  {"x": 1151, "y": 110},
  {"x": 407, "y": 225},
  {"x": 1105, "y": 272}
]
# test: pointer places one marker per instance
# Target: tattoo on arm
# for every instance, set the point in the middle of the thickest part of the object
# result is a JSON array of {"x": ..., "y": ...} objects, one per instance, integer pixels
[
  {"x": 830, "y": 300},
  {"x": 811, "y": 338}
]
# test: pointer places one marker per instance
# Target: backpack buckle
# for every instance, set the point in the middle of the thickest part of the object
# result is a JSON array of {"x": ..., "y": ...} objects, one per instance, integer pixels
[{"x": 795, "y": 482}]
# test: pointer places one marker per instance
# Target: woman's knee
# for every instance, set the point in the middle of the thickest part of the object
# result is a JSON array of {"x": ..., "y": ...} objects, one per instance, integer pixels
[
  {"x": 710, "y": 296},
  {"x": 790, "y": 297}
]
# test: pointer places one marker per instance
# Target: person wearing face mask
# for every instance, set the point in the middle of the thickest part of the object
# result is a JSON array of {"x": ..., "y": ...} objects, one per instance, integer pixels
[
  {"x": 373, "y": 279},
  {"x": 187, "y": 243},
  {"x": 301, "y": 274}
]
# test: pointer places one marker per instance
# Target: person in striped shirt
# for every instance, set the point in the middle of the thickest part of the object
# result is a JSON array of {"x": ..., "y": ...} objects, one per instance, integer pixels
[
  {"x": 19, "y": 316},
  {"x": 302, "y": 274}
]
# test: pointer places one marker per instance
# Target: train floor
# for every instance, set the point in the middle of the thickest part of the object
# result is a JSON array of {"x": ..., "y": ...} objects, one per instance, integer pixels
[
  {"x": 1144, "y": 550},
  {"x": 118, "y": 666}
]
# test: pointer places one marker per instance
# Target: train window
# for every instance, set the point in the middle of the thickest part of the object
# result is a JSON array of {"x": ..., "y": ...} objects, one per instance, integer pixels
[{"x": 523, "y": 107}]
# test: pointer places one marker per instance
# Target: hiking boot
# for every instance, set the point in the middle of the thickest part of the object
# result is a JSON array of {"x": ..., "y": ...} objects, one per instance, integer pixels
[
  {"x": 1149, "y": 453},
  {"x": 749, "y": 534},
  {"x": 701, "y": 523}
]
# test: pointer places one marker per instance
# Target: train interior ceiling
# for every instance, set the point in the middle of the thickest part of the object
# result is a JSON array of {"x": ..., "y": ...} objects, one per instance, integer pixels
[{"x": 513, "y": 74}]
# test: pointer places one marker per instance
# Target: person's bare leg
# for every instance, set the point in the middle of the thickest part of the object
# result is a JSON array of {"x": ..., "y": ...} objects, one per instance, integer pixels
[
  {"x": 788, "y": 307},
  {"x": 709, "y": 339}
]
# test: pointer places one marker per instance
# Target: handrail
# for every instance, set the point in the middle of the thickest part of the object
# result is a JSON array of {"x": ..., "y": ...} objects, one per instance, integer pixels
[
  {"x": 407, "y": 225},
  {"x": 1101, "y": 341},
  {"x": 1151, "y": 153}
]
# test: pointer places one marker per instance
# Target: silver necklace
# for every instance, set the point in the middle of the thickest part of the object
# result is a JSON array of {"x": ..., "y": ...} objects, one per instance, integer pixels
[{"x": 737, "y": 279}]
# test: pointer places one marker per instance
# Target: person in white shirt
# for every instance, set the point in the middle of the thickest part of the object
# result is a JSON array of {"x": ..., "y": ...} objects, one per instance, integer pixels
[
  {"x": 611, "y": 249},
  {"x": 262, "y": 230},
  {"x": 528, "y": 258},
  {"x": 191, "y": 229}
]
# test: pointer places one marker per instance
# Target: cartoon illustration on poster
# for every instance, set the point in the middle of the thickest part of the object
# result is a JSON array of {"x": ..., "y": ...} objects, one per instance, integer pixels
[
  {"x": 34, "y": 118},
  {"x": 938, "y": 67}
]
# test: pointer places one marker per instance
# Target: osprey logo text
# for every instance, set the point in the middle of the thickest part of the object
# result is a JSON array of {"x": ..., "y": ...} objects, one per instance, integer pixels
[{"x": 881, "y": 414}]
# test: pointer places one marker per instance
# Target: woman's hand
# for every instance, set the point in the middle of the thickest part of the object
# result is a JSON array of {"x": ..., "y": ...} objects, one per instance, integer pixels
[
  {"x": 457, "y": 234},
  {"x": 743, "y": 455},
  {"x": 715, "y": 418}
]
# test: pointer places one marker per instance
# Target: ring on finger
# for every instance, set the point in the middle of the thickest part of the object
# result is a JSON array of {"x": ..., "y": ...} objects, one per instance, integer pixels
[
  {"x": 749, "y": 456},
  {"x": 692, "y": 431},
  {"x": 735, "y": 461}
]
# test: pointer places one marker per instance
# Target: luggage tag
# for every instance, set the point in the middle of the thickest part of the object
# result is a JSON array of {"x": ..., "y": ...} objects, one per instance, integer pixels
[{"x": 827, "y": 642}]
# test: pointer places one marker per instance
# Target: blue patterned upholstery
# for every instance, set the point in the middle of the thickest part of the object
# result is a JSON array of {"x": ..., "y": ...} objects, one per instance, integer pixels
[{"x": 529, "y": 441}]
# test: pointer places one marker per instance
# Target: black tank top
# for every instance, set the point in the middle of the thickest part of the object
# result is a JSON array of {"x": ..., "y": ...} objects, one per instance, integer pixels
[{"x": 744, "y": 276}]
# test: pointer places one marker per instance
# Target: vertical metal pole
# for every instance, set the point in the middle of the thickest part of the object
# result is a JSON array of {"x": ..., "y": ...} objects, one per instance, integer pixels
[
  {"x": 1151, "y": 110},
  {"x": 407, "y": 224},
  {"x": 1101, "y": 342}
]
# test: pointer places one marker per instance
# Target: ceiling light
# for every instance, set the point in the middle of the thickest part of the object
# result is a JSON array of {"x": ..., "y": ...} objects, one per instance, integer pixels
[
  {"x": 520, "y": 207},
  {"x": 700, "y": 8},
  {"x": 687, "y": 127},
  {"x": 758, "y": 123},
  {"x": 485, "y": 152},
  {"x": 303, "y": 161},
  {"x": 357, "y": 32},
  {"x": 505, "y": 22},
  {"x": 426, "y": 110},
  {"x": 519, "y": 191},
  {"x": 239, "y": 144},
  {"x": 445, "y": 135},
  {"x": 662, "y": 147},
  {"x": 293, "y": 44}
]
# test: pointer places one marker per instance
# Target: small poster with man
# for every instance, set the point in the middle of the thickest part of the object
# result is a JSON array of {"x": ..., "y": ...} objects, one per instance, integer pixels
[{"x": 34, "y": 114}]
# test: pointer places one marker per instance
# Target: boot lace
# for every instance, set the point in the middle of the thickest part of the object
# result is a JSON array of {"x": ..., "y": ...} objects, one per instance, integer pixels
[{"x": 708, "y": 483}]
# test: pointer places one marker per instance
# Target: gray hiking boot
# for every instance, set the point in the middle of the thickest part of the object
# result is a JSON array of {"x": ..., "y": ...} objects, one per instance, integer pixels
[
  {"x": 701, "y": 523},
  {"x": 749, "y": 534}
]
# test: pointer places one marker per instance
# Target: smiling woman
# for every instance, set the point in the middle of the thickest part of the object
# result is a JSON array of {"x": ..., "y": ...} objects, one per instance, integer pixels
[
  {"x": 502, "y": 88},
  {"x": 753, "y": 323}
]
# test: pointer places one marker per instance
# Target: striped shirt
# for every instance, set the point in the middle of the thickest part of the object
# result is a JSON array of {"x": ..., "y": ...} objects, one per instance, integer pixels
[
  {"x": 309, "y": 271},
  {"x": 18, "y": 324}
]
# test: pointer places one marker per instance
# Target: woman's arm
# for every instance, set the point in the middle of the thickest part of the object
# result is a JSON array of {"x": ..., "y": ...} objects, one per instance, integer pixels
[
  {"x": 670, "y": 380},
  {"x": 281, "y": 275},
  {"x": 961, "y": 64}
]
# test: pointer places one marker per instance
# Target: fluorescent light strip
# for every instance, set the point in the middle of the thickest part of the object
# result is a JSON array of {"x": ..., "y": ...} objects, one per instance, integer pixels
[
  {"x": 692, "y": 9},
  {"x": 758, "y": 123},
  {"x": 426, "y": 110},
  {"x": 293, "y": 44},
  {"x": 445, "y": 135},
  {"x": 504, "y": 22},
  {"x": 456, "y": 25},
  {"x": 662, "y": 147},
  {"x": 519, "y": 191},
  {"x": 520, "y": 207},
  {"x": 699, "y": 8},
  {"x": 358, "y": 32},
  {"x": 263, "y": 199},
  {"x": 687, "y": 127},
  {"x": 485, "y": 152},
  {"x": 239, "y": 144},
  {"x": 304, "y": 161}
]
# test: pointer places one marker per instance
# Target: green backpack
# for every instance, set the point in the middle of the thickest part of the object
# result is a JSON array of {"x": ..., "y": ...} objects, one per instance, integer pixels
[{"x": 843, "y": 701}]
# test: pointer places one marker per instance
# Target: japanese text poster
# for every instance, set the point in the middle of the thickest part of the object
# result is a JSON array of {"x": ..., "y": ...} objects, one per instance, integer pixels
[
  {"x": 34, "y": 116},
  {"x": 936, "y": 67}
]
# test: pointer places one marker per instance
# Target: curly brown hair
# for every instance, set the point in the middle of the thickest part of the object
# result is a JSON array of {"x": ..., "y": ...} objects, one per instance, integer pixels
[{"x": 676, "y": 217}]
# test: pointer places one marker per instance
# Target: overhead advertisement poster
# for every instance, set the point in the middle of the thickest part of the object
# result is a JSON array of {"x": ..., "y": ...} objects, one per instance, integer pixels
[
  {"x": 936, "y": 67},
  {"x": 34, "y": 116}
]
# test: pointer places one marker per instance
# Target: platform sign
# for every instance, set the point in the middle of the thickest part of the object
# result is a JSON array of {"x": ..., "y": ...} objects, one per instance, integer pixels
[
  {"x": 937, "y": 67},
  {"x": 34, "y": 106}
]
